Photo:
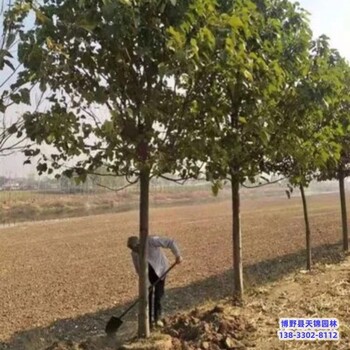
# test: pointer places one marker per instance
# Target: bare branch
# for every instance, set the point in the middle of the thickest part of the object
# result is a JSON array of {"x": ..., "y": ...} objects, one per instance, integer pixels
[
  {"x": 39, "y": 101},
  {"x": 177, "y": 181},
  {"x": 100, "y": 174},
  {"x": 119, "y": 188},
  {"x": 10, "y": 76},
  {"x": 5, "y": 152},
  {"x": 265, "y": 184},
  {"x": 93, "y": 116},
  {"x": 127, "y": 178},
  {"x": 10, "y": 152}
]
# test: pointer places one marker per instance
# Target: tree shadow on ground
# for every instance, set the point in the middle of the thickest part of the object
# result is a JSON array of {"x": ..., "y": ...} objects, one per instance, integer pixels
[{"x": 177, "y": 299}]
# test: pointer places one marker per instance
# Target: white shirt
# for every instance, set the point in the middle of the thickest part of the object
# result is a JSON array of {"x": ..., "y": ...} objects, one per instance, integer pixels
[{"x": 156, "y": 258}]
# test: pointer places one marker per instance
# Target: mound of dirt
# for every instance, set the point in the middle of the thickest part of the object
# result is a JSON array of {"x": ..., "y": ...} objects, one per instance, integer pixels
[{"x": 210, "y": 329}]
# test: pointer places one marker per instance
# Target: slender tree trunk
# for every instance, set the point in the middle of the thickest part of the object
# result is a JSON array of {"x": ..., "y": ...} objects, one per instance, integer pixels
[
  {"x": 237, "y": 240},
  {"x": 307, "y": 229},
  {"x": 343, "y": 210},
  {"x": 143, "y": 329}
]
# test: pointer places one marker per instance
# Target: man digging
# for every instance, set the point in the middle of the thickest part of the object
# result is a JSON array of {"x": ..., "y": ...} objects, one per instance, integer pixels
[{"x": 157, "y": 266}]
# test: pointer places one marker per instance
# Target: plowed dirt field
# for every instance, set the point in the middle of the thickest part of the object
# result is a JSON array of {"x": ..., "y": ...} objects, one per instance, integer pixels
[{"x": 64, "y": 279}]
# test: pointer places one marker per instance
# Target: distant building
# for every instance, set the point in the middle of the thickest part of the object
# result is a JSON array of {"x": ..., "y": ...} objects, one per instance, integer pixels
[{"x": 11, "y": 186}]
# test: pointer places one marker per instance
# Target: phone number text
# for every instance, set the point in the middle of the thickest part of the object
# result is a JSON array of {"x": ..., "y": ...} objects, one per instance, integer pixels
[{"x": 309, "y": 335}]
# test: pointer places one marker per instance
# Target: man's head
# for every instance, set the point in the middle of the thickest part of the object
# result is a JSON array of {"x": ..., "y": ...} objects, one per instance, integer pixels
[{"x": 133, "y": 243}]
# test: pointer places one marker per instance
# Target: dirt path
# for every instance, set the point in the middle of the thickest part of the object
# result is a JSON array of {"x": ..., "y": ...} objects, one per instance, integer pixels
[{"x": 52, "y": 271}]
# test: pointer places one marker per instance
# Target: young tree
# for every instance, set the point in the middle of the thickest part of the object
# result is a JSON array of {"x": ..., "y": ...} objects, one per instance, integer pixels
[
  {"x": 246, "y": 52},
  {"x": 305, "y": 141},
  {"x": 114, "y": 54},
  {"x": 339, "y": 168}
]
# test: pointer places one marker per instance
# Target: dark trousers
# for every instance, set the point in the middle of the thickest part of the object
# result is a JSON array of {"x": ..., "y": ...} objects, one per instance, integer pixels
[{"x": 155, "y": 308}]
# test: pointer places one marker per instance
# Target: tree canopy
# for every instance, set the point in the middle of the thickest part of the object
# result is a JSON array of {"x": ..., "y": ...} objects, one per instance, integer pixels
[
  {"x": 252, "y": 52},
  {"x": 114, "y": 54},
  {"x": 142, "y": 88}
]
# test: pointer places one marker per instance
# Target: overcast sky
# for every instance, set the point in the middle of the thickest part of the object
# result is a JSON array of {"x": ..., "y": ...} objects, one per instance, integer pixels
[
  {"x": 327, "y": 17},
  {"x": 331, "y": 17}
]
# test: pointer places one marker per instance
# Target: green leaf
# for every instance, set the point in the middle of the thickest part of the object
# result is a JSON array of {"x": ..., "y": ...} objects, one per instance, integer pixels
[
  {"x": 16, "y": 98},
  {"x": 10, "y": 39},
  {"x": 42, "y": 168},
  {"x": 2, "y": 107},
  {"x": 68, "y": 173},
  {"x": 51, "y": 138},
  {"x": 173, "y": 2},
  {"x": 25, "y": 96},
  {"x": 41, "y": 17},
  {"x": 216, "y": 187},
  {"x": 9, "y": 64},
  {"x": 87, "y": 25},
  {"x": 248, "y": 75},
  {"x": 42, "y": 85},
  {"x": 12, "y": 129},
  {"x": 176, "y": 37},
  {"x": 236, "y": 22},
  {"x": 242, "y": 120},
  {"x": 264, "y": 136}
]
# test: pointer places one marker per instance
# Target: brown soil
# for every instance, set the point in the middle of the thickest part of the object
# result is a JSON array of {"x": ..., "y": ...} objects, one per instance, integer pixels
[
  {"x": 323, "y": 293},
  {"x": 64, "y": 279}
]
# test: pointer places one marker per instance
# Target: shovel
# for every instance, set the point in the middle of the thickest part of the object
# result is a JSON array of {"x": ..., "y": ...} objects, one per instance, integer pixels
[{"x": 115, "y": 322}]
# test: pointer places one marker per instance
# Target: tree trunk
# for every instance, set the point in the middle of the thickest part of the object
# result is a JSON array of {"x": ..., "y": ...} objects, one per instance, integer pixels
[
  {"x": 237, "y": 240},
  {"x": 307, "y": 229},
  {"x": 343, "y": 210},
  {"x": 143, "y": 329}
]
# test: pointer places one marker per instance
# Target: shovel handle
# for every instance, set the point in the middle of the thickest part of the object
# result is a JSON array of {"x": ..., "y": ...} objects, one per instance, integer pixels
[
  {"x": 128, "y": 309},
  {"x": 149, "y": 289}
]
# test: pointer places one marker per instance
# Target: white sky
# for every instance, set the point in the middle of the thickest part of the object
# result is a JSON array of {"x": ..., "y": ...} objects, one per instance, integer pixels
[{"x": 331, "y": 18}]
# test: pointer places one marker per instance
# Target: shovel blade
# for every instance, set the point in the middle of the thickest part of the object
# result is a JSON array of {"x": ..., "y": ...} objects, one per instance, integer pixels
[{"x": 113, "y": 325}]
